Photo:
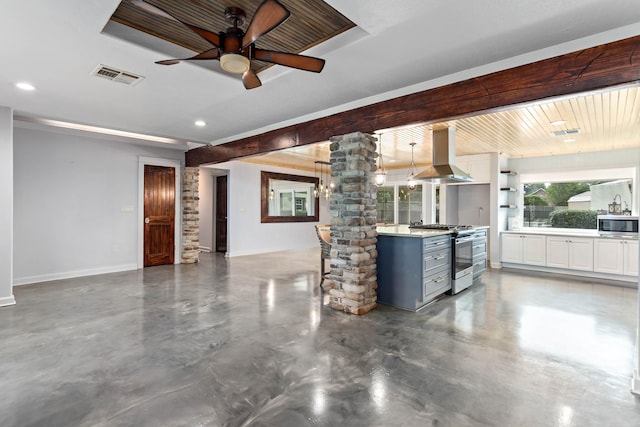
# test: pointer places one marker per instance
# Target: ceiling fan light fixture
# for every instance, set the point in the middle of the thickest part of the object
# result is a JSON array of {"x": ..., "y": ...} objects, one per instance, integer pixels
[{"x": 234, "y": 63}]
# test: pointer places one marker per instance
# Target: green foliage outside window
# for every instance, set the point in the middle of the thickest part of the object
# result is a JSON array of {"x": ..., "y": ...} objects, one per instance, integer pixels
[
  {"x": 534, "y": 200},
  {"x": 574, "y": 219},
  {"x": 559, "y": 192}
]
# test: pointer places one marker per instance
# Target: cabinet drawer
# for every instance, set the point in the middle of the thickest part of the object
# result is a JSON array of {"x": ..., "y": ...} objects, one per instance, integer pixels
[
  {"x": 479, "y": 247},
  {"x": 433, "y": 243},
  {"x": 479, "y": 266},
  {"x": 436, "y": 284},
  {"x": 480, "y": 234},
  {"x": 436, "y": 259}
]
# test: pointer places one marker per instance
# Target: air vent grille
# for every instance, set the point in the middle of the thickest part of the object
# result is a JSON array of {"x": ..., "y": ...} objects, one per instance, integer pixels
[
  {"x": 565, "y": 132},
  {"x": 116, "y": 75}
]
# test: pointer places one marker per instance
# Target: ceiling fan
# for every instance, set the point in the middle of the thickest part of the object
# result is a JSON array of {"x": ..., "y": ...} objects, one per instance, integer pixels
[{"x": 236, "y": 48}]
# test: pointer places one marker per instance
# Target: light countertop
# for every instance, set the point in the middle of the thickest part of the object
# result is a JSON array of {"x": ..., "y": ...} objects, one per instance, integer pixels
[
  {"x": 403, "y": 230},
  {"x": 571, "y": 232}
]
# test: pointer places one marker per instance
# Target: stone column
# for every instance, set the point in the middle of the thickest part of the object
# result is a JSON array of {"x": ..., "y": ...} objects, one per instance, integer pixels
[
  {"x": 190, "y": 215},
  {"x": 353, "y": 277}
]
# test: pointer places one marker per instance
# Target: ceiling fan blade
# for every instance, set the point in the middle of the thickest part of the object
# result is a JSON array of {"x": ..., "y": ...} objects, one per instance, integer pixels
[
  {"x": 250, "y": 79},
  {"x": 209, "y": 36},
  {"x": 268, "y": 16},
  {"x": 207, "y": 54},
  {"x": 301, "y": 62},
  {"x": 212, "y": 38}
]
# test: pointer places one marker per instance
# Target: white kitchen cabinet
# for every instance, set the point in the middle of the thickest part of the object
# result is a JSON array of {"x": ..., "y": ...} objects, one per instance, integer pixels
[
  {"x": 512, "y": 248},
  {"x": 479, "y": 167},
  {"x": 631, "y": 258},
  {"x": 523, "y": 249},
  {"x": 575, "y": 253},
  {"x": 616, "y": 256}
]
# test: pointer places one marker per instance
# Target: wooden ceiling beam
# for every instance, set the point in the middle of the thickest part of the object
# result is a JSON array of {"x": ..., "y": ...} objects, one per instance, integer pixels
[{"x": 595, "y": 68}]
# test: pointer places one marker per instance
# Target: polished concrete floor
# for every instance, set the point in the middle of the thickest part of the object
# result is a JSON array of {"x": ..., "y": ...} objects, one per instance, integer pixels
[{"x": 248, "y": 342}]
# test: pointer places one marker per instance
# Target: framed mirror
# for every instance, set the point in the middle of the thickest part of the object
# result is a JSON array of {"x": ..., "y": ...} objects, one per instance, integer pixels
[{"x": 288, "y": 198}]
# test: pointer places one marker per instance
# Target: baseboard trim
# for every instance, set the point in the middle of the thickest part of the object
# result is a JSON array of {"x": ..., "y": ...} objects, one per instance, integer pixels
[
  {"x": 71, "y": 274},
  {"x": 7, "y": 301},
  {"x": 627, "y": 281},
  {"x": 635, "y": 383}
]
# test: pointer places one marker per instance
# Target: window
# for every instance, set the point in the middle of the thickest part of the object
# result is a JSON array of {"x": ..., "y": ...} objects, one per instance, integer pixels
[
  {"x": 575, "y": 204},
  {"x": 409, "y": 204},
  {"x": 396, "y": 204},
  {"x": 385, "y": 205}
]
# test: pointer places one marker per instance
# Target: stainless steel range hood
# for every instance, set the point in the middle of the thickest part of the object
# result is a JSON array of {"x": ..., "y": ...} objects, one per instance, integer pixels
[{"x": 444, "y": 169}]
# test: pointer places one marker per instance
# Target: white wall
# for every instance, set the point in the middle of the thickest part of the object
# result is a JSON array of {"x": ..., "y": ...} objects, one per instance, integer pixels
[
  {"x": 474, "y": 204},
  {"x": 206, "y": 192},
  {"x": 76, "y": 204},
  {"x": 245, "y": 233},
  {"x": 6, "y": 207}
]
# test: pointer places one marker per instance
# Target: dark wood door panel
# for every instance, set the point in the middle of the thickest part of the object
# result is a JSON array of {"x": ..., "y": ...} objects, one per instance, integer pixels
[
  {"x": 159, "y": 215},
  {"x": 221, "y": 214}
]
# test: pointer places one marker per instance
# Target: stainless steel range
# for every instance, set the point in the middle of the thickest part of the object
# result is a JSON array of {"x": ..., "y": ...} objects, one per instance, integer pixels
[{"x": 461, "y": 254}]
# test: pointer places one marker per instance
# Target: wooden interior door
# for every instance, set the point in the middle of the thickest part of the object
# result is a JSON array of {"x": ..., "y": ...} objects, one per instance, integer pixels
[
  {"x": 159, "y": 215},
  {"x": 221, "y": 214}
]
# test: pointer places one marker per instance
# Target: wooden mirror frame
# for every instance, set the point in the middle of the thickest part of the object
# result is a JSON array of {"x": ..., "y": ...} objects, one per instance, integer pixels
[{"x": 264, "y": 197}]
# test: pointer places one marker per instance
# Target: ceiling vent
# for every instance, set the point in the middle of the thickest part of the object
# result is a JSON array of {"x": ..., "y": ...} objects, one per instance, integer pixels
[
  {"x": 565, "y": 132},
  {"x": 116, "y": 75}
]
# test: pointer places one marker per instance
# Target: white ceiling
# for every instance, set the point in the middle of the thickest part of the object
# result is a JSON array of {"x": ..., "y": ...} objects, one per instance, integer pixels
[
  {"x": 596, "y": 121},
  {"x": 400, "y": 46}
]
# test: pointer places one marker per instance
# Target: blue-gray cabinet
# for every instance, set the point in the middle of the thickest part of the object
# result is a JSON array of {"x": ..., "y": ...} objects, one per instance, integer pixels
[{"x": 412, "y": 271}]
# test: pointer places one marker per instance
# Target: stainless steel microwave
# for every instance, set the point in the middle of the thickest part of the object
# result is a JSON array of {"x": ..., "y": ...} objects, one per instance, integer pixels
[{"x": 615, "y": 225}]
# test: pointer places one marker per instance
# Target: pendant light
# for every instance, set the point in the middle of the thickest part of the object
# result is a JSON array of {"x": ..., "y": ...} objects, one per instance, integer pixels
[
  {"x": 324, "y": 189},
  {"x": 330, "y": 185},
  {"x": 321, "y": 188},
  {"x": 315, "y": 175},
  {"x": 411, "y": 182},
  {"x": 381, "y": 174}
]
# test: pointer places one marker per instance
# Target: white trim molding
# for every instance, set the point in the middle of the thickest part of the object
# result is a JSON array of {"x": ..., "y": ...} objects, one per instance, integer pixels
[
  {"x": 74, "y": 273},
  {"x": 177, "y": 165},
  {"x": 7, "y": 301},
  {"x": 635, "y": 383}
]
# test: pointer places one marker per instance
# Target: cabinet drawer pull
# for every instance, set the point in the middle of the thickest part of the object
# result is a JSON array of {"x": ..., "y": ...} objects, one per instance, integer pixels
[
  {"x": 440, "y": 257},
  {"x": 438, "y": 280}
]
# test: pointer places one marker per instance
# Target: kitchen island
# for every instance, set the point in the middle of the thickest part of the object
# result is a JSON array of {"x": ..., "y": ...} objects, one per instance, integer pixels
[{"x": 415, "y": 266}]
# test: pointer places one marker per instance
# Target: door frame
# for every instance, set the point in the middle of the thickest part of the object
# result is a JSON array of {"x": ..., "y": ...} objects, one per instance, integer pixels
[{"x": 177, "y": 165}]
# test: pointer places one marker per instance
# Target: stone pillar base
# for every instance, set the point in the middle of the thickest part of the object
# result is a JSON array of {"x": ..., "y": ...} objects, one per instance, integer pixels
[
  {"x": 190, "y": 216},
  {"x": 352, "y": 282}
]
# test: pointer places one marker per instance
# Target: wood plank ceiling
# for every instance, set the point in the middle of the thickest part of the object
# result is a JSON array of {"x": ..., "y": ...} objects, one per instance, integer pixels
[
  {"x": 311, "y": 22},
  {"x": 605, "y": 120}
]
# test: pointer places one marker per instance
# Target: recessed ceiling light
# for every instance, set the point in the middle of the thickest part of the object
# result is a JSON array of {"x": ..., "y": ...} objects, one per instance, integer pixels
[
  {"x": 558, "y": 122},
  {"x": 25, "y": 86},
  {"x": 200, "y": 123},
  {"x": 569, "y": 140}
]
